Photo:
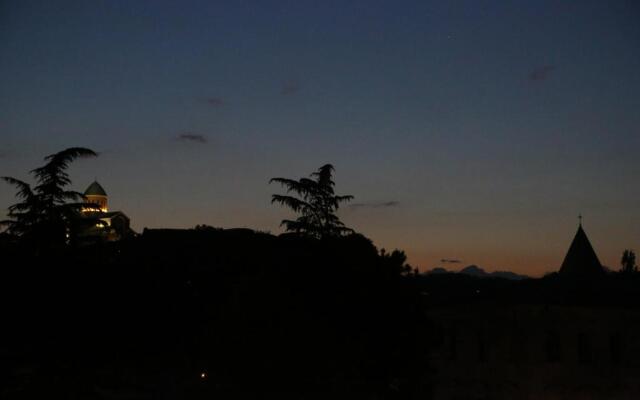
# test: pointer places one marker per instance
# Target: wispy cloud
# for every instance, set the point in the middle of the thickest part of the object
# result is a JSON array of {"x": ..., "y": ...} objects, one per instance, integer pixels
[
  {"x": 378, "y": 204},
  {"x": 450, "y": 261},
  {"x": 289, "y": 88},
  {"x": 191, "y": 137},
  {"x": 541, "y": 73},
  {"x": 214, "y": 101}
]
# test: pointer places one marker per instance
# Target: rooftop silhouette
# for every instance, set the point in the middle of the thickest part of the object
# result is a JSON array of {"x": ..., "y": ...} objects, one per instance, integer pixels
[
  {"x": 95, "y": 189},
  {"x": 581, "y": 259}
]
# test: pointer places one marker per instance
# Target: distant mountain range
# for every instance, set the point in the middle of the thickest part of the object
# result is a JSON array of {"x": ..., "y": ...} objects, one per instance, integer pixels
[{"x": 474, "y": 270}]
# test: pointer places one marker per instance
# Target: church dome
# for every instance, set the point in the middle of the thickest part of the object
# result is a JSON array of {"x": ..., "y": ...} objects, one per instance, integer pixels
[{"x": 95, "y": 190}]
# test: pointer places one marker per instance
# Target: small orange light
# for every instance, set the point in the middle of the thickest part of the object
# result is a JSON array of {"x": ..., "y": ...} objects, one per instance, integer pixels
[{"x": 203, "y": 375}]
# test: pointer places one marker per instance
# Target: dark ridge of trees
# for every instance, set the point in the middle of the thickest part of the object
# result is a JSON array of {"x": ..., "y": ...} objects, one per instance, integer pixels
[
  {"x": 314, "y": 313},
  {"x": 202, "y": 313},
  {"x": 259, "y": 315},
  {"x": 316, "y": 203}
]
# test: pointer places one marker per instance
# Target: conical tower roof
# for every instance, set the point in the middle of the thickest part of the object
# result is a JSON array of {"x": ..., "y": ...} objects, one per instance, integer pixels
[
  {"x": 95, "y": 190},
  {"x": 581, "y": 259}
]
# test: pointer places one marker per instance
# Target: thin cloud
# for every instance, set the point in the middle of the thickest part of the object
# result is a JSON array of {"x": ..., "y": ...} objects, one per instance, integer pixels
[
  {"x": 379, "y": 204},
  {"x": 541, "y": 73},
  {"x": 214, "y": 101},
  {"x": 191, "y": 137},
  {"x": 289, "y": 88},
  {"x": 450, "y": 261}
]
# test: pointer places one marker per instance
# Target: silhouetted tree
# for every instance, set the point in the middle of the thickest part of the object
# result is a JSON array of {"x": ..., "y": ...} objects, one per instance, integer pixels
[
  {"x": 316, "y": 203},
  {"x": 48, "y": 213},
  {"x": 397, "y": 260},
  {"x": 628, "y": 261}
]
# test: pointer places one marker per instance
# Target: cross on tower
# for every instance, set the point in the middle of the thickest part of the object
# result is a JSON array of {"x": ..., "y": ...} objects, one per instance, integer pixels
[{"x": 580, "y": 219}]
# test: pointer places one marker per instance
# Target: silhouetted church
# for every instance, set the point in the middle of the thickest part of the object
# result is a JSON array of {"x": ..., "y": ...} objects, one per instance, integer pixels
[
  {"x": 116, "y": 223},
  {"x": 541, "y": 339},
  {"x": 581, "y": 260}
]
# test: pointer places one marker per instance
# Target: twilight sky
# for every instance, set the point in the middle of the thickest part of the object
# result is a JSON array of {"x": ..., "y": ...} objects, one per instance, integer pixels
[{"x": 467, "y": 130}]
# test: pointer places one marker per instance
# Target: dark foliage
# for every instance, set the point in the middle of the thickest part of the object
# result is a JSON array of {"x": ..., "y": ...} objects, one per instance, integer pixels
[
  {"x": 46, "y": 217},
  {"x": 259, "y": 315},
  {"x": 317, "y": 204},
  {"x": 628, "y": 262}
]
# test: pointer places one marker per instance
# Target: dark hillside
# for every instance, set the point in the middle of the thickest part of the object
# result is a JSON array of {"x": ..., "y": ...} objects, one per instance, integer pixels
[{"x": 256, "y": 314}]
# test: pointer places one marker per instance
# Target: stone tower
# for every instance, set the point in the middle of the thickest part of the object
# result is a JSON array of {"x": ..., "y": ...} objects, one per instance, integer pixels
[{"x": 95, "y": 194}]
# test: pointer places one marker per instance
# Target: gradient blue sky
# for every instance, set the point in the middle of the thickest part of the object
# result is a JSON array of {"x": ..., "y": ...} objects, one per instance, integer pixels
[{"x": 470, "y": 130}]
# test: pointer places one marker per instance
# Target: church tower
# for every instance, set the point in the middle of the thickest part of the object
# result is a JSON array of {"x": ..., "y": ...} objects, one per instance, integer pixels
[
  {"x": 95, "y": 194},
  {"x": 581, "y": 260}
]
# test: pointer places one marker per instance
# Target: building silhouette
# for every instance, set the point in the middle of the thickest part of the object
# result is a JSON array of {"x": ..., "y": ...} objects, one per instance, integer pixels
[
  {"x": 565, "y": 336},
  {"x": 110, "y": 225},
  {"x": 581, "y": 260},
  {"x": 96, "y": 194}
]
